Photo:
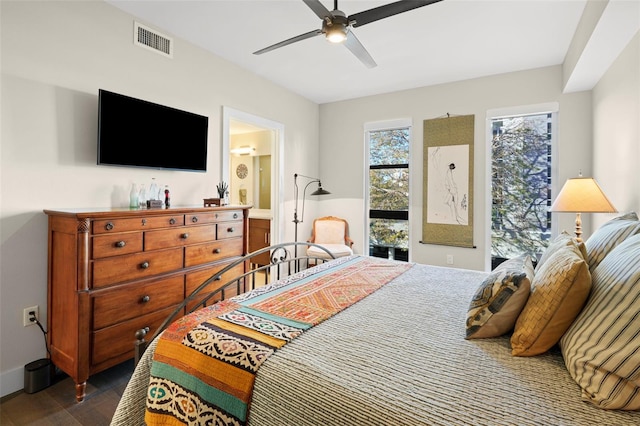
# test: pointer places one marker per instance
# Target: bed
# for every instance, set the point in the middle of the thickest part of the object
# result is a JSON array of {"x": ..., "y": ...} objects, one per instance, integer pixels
[{"x": 401, "y": 354}]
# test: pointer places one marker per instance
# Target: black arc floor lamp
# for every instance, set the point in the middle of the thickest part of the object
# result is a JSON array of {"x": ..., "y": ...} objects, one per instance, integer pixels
[{"x": 319, "y": 191}]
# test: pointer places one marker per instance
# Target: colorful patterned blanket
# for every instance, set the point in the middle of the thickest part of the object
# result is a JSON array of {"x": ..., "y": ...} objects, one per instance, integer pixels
[{"x": 204, "y": 365}]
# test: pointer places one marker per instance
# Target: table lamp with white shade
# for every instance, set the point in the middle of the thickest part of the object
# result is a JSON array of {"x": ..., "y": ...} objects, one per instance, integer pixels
[{"x": 582, "y": 195}]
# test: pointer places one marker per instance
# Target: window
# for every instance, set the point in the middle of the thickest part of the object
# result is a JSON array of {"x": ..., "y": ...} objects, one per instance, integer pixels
[
  {"x": 521, "y": 185},
  {"x": 388, "y": 207}
]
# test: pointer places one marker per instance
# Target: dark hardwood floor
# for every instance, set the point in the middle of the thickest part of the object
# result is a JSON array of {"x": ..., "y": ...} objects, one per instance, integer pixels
[{"x": 56, "y": 405}]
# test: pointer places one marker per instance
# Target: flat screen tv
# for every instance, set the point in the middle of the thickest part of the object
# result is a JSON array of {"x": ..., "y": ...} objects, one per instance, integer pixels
[{"x": 137, "y": 133}]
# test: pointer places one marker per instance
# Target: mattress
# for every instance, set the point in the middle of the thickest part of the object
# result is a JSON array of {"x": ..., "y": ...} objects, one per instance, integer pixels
[{"x": 399, "y": 357}]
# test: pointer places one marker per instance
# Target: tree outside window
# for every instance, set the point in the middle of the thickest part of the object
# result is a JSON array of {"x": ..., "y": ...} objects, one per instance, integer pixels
[
  {"x": 521, "y": 185},
  {"x": 389, "y": 193}
]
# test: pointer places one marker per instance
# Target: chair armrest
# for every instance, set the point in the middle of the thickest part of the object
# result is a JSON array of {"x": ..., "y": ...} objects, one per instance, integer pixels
[{"x": 348, "y": 241}]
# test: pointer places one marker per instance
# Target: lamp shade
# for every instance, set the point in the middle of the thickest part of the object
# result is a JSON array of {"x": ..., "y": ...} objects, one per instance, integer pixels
[
  {"x": 582, "y": 195},
  {"x": 320, "y": 191}
]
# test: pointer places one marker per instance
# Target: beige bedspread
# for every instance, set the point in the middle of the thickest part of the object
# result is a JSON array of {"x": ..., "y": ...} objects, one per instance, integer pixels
[{"x": 399, "y": 357}]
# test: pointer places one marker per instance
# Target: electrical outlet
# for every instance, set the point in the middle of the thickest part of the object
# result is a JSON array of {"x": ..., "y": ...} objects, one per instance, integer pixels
[
  {"x": 449, "y": 259},
  {"x": 26, "y": 316}
]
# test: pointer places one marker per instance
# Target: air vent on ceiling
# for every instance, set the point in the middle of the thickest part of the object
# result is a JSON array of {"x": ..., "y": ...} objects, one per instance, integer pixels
[{"x": 153, "y": 40}]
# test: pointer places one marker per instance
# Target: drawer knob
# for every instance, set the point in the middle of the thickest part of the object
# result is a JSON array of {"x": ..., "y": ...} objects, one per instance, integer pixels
[
  {"x": 145, "y": 298},
  {"x": 109, "y": 226},
  {"x": 230, "y": 229},
  {"x": 144, "y": 265},
  {"x": 172, "y": 221},
  {"x": 121, "y": 244},
  {"x": 194, "y": 219},
  {"x": 218, "y": 279},
  {"x": 217, "y": 251},
  {"x": 184, "y": 236},
  {"x": 235, "y": 215}
]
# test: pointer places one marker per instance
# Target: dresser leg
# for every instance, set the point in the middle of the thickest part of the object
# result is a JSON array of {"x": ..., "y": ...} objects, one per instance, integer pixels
[{"x": 80, "y": 391}]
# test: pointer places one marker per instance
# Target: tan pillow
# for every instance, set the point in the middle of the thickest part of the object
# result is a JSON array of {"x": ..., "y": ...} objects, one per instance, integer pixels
[
  {"x": 499, "y": 299},
  {"x": 602, "y": 347},
  {"x": 609, "y": 235},
  {"x": 559, "y": 242},
  {"x": 558, "y": 293}
]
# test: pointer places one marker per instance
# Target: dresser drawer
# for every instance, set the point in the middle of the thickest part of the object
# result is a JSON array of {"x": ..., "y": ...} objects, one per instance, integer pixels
[
  {"x": 213, "y": 217},
  {"x": 119, "y": 269},
  {"x": 194, "y": 279},
  {"x": 136, "y": 224},
  {"x": 119, "y": 339},
  {"x": 229, "y": 230},
  {"x": 230, "y": 215},
  {"x": 210, "y": 252},
  {"x": 116, "y": 244},
  {"x": 131, "y": 301},
  {"x": 179, "y": 236}
]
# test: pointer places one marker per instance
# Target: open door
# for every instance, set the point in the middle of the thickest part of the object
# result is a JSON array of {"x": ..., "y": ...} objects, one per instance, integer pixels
[{"x": 252, "y": 149}]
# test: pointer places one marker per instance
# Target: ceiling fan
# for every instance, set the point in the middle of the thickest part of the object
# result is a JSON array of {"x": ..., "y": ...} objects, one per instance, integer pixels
[{"x": 336, "y": 26}]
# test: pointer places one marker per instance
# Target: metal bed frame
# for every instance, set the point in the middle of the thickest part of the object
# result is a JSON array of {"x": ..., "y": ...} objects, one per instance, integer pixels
[{"x": 282, "y": 264}]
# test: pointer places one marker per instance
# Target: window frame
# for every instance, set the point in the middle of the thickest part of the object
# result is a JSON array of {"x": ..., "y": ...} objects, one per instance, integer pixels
[
  {"x": 403, "y": 123},
  {"x": 493, "y": 114}
]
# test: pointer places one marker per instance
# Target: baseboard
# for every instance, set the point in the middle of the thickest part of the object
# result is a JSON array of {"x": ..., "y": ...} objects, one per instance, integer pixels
[{"x": 11, "y": 381}]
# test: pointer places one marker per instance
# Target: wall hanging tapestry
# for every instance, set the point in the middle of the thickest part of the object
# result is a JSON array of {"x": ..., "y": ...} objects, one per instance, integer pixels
[{"x": 447, "y": 211}]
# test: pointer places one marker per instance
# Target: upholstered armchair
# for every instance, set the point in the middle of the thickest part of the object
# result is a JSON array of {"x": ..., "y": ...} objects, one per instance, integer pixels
[{"x": 333, "y": 234}]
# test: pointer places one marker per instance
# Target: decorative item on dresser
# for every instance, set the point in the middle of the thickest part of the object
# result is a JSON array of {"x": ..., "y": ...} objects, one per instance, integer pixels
[
  {"x": 222, "y": 188},
  {"x": 212, "y": 202},
  {"x": 112, "y": 272}
]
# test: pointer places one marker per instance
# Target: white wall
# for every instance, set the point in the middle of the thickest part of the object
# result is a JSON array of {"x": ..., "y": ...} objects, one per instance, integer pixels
[
  {"x": 616, "y": 118},
  {"x": 55, "y": 57},
  {"x": 342, "y": 154}
]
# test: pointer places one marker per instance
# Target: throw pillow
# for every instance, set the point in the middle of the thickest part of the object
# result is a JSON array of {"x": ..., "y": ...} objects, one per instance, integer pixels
[
  {"x": 498, "y": 301},
  {"x": 559, "y": 242},
  {"x": 558, "y": 293},
  {"x": 602, "y": 348},
  {"x": 609, "y": 235}
]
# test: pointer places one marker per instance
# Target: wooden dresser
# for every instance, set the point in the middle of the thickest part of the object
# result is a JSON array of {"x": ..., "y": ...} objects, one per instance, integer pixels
[{"x": 112, "y": 272}]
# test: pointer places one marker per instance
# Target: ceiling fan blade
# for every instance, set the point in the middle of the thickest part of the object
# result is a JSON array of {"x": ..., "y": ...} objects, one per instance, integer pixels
[
  {"x": 387, "y": 10},
  {"x": 288, "y": 41},
  {"x": 353, "y": 44},
  {"x": 318, "y": 8}
]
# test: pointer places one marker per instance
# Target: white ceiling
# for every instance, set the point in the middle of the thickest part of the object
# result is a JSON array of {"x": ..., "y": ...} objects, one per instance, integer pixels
[{"x": 447, "y": 41}]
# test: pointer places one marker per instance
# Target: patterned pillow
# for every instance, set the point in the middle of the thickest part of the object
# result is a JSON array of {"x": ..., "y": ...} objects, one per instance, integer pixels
[
  {"x": 559, "y": 242},
  {"x": 609, "y": 235},
  {"x": 558, "y": 292},
  {"x": 499, "y": 299},
  {"x": 602, "y": 348}
]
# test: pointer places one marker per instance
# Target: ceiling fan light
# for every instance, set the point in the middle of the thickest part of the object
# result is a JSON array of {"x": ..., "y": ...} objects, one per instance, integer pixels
[{"x": 336, "y": 34}]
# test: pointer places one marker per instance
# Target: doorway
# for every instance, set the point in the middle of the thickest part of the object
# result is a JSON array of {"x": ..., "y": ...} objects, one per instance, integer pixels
[{"x": 252, "y": 149}]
